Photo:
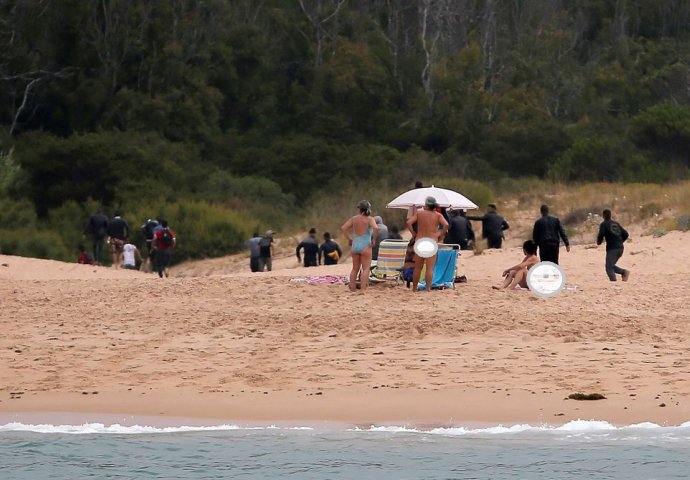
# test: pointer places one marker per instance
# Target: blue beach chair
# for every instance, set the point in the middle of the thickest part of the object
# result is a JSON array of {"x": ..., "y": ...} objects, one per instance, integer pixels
[{"x": 445, "y": 269}]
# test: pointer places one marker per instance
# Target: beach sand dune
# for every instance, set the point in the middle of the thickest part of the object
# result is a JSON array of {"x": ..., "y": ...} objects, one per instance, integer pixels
[{"x": 216, "y": 341}]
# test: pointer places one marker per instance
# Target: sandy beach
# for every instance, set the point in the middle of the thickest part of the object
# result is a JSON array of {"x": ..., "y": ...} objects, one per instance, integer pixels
[{"x": 217, "y": 342}]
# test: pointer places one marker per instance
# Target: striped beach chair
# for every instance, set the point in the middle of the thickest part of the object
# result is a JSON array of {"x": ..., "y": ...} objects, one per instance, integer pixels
[{"x": 390, "y": 262}]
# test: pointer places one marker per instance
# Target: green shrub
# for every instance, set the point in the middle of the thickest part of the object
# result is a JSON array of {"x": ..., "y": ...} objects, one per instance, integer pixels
[
  {"x": 16, "y": 214},
  {"x": 203, "y": 230},
  {"x": 38, "y": 244}
]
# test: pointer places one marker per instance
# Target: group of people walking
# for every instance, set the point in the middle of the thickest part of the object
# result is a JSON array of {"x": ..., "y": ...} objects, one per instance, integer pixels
[
  {"x": 116, "y": 233},
  {"x": 309, "y": 251}
]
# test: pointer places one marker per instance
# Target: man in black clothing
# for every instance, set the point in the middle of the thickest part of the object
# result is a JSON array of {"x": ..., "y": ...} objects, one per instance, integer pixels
[
  {"x": 311, "y": 249},
  {"x": 118, "y": 231},
  {"x": 147, "y": 230},
  {"x": 330, "y": 250},
  {"x": 97, "y": 227},
  {"x": 547, "y": 234},
  {"x": 615, "y": 235},
  {"x": 493, "y": 226},
  {"x": 460, "y": 230},
  {"x": 266, "y": 251}
]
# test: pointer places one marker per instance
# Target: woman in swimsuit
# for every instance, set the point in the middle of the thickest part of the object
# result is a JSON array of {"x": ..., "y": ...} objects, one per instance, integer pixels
[{"x": 365, "y": 234}]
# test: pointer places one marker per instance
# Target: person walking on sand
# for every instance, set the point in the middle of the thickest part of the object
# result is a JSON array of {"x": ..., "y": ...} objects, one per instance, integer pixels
[
  {"x": 266, "y": 251},
  {"x": 493, "y": 226},
  {"x": 460, "y": 230},
  {"x": 310, "y": 245},
  {"x": 516, "y": 276},
  {"x": 361, "y": 243},
  {"x": 615, "y": 236},
  {"x": 254, "y": 252},
  {"x": 547, "y": 234},
  {"x": 164, "y": 241},
  {"x": 97, "y": 228},
  {"x": 329, "y": 250},
  {"x": 118, "y": 231},
  {"x": 428, "y": 221}
]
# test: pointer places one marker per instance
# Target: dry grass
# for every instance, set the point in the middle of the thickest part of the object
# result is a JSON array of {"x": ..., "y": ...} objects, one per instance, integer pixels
[{"x": 651, "y": 207}]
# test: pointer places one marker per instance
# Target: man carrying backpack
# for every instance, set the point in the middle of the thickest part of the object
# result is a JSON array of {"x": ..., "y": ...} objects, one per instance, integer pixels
[
  {"x": 164, "y": 241},
  {"x": 615, "y": 236}
]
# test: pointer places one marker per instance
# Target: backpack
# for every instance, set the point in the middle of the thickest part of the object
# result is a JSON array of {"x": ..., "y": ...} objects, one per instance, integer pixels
[{"x": 166, "y": 237}]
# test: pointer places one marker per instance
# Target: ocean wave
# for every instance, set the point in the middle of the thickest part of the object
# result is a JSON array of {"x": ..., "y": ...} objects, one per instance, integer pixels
[
  {"x": 575, "y": 427},
  {"x": 117, "y": 429},
  {"x": 572, "y": 427}
]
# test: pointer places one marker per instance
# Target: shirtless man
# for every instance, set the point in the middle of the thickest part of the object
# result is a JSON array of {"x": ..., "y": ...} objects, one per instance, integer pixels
[
  {"x": 517, "y": 274},
  {"x": 427, "y": 221}
]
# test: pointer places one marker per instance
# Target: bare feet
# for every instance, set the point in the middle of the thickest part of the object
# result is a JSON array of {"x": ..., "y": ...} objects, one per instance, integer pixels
[{"x": 626, "y": 275}]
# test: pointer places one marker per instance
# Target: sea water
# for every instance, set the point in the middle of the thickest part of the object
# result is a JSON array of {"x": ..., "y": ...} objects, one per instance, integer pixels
[{"x": 576, "y": 450}]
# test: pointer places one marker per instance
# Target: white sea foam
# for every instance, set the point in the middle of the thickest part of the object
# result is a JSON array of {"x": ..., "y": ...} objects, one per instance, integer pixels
[
  {"x": 99, "y": 428},
  {"x": 572, "y": 428}
]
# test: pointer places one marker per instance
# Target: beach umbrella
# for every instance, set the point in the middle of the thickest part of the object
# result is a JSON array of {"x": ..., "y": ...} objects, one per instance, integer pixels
[{"x": 444, "y": 197}]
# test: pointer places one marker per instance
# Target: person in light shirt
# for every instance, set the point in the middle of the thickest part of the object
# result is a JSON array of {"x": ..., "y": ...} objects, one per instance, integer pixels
[{"x": 130, "y": 254}]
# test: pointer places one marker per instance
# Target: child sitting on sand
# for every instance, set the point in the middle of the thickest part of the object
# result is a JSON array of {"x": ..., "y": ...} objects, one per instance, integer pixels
[{"x": 516, "y": 276}]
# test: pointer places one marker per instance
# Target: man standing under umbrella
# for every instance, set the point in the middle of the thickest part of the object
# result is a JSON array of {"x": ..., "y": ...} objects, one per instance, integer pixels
[
  {"x": 493, "y": 226},
  {"x": 460, "y": 231},
  {"x": 427, "y": 221}
]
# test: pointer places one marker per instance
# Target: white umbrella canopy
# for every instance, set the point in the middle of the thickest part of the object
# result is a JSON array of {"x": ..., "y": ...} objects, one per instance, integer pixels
[{"x": 444, "y": 197}]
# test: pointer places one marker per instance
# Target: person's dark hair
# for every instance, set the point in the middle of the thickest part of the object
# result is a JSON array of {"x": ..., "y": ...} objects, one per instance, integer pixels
[
  {"x": 394, "y": 229},
  {"x": 491, "y": 205},
  {"x": 544, "y": 209},
  {"x": 364, "y": 207},
  {"x": 418, "y": 184},
  {"x": 80, "y": 248},
  {"x": 164, "y": 223},
  {"x": 117, "y": 213},
  {"x": 312, "y": 231},
  {"x": 529, "y": 247},
  {"x": 255, "y": 234},
  {"x": 606, "y": 214},
  {"x": 326, "y": 235}
]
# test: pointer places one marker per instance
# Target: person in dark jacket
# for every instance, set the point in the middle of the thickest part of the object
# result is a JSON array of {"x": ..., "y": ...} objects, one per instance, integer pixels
[
  {"x": 460, "y": 230},
  {"x": 493, "y": 226},
  {"x": 310, "y": 245},
  {"x": 615, "y": 236},
  {"x": 329, "y": 250},
  {"x": 118, "y": 231},
  {"x": 394, "y": 233},
  {"x": 547, "y": 234},
  {"x": 97, "y": 228}
]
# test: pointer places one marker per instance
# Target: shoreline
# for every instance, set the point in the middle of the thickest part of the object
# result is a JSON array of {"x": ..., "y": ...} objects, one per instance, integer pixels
[{"x": 419, "y": 409}]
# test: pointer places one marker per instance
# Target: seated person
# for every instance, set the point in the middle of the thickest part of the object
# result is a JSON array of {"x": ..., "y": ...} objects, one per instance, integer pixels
[
  {"x": 408, "y": 266},
  {"x": 517, "y": 275},
  {"x": 85, "y": 257}
]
